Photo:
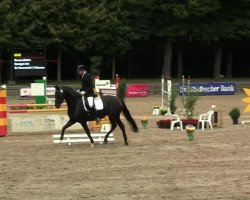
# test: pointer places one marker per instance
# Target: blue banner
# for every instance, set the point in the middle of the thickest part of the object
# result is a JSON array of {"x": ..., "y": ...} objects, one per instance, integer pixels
[{"x": 227, "y": 88}]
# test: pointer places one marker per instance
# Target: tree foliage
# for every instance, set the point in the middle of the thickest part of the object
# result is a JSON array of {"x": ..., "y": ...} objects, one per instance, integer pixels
[{"x": 103, "y": 29}]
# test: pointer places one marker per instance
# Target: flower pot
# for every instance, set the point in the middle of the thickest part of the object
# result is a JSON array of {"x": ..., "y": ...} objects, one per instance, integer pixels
[
  {"x": 190, "y": 136},
  {"x": 235, "y": 121},
  {"x": 145, "y": 125},
  {"x": 190, "y": 132}
]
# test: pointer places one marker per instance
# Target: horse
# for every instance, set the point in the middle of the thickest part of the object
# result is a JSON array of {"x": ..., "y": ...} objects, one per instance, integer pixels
[{"x": 112, "y": 107}]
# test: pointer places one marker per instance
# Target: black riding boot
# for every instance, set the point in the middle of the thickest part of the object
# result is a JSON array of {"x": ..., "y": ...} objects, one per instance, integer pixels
[{"x": 94, "y": 112}]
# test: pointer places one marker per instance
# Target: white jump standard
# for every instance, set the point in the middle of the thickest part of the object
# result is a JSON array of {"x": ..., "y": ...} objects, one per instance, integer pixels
[{"x": 164, "y": 94}]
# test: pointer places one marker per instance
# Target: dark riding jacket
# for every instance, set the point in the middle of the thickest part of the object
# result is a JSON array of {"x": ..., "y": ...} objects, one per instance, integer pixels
[{"x": 87, "y": 85}]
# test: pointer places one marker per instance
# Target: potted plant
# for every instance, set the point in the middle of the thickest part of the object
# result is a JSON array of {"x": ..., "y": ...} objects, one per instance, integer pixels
[
  {"x": 144, "y": 121},
  {"x": 121, "y": 93},
  {"x": 235, "y": 114},
  {"x": 163, "y": 110},
  {"x": 190, "y": 101},
  {"x": 172, "y": 103},
  {"x": 190, "y": 132}
]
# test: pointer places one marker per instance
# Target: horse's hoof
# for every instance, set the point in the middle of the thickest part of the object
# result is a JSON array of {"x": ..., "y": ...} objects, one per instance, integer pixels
[
  {"x": 92, "y": 145},
  {"x": 105, "y": 141},
  {"x": 61, "y": 139}
]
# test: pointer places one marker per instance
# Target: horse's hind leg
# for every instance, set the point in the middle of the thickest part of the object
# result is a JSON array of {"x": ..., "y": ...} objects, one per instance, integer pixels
[
  {"x": 121, "y": 125},
  {"x": 113, "y": 126},
  {"x": 86, "y": 128},
  {"x": 69, "y": 123}
]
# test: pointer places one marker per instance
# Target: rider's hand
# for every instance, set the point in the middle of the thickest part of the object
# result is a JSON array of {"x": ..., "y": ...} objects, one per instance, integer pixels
[{"x": 81, "y": 93}]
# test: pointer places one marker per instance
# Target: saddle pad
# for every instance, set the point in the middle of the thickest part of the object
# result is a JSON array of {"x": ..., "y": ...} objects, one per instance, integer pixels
[{"x": 97, "y": 102}]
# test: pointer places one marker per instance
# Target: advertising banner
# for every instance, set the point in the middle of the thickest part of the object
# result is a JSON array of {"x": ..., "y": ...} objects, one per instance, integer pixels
[
  {"x": 26, "y": 91},
  {"x": 37, "y": 89},
  {"x": 137, "y": 90},
  {"x": 226, "y": 88},
  {"x": 102, "y": 84}
]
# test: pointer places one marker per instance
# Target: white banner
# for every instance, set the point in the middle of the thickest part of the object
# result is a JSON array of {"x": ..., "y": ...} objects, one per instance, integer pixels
[
  {"x": 37, "y": 89},
  {"x": 24, "y": 92},
  {"x": 102, "y": 84}
]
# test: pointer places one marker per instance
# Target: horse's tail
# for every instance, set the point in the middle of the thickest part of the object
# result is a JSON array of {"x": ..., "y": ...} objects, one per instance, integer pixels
[{"x": 129, "y": 117}]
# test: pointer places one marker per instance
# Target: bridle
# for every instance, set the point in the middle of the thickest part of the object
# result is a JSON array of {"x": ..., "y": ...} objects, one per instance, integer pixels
[{"x": 59, "y": 97}]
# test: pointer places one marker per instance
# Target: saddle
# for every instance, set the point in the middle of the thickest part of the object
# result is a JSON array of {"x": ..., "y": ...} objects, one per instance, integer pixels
[{"x": 91, "y": 101}]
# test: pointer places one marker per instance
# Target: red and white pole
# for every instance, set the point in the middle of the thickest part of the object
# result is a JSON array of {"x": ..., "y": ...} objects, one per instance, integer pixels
[{"x": 3, "y": 111}]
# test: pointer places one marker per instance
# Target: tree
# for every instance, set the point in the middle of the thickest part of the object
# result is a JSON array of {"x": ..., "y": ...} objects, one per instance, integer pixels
[
  {"x": 100, "y": 32},
  {"x": 15, "y": 32},
  {"x": 138, "y": 17},
  {"x": 229, "y": 22},
  {"x": 54, "y": 26},
  {"x": 112, "y": 35},
  {"x": 4, "y": 10},
  {"x": 172, "y": 21}
]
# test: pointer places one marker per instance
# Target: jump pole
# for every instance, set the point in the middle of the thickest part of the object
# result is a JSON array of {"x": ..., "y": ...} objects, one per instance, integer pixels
[
  {"x": 168, "y": 93},
  {"x": 183, "y": 85},
  {"x": 162, "y": 92},
  {"x": 3, "y": 111},
  {"x": 183, "y": 90}
]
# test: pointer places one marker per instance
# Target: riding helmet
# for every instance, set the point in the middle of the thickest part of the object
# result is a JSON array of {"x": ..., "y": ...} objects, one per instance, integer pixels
[{"x": 81, "y": 67}]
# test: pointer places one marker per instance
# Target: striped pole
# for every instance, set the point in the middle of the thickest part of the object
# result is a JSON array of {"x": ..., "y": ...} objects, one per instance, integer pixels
[{"x": 3, "y": 112}]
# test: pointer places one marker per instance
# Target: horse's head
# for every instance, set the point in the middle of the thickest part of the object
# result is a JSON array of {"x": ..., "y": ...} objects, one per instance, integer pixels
[{"x": 59, "y": 96}]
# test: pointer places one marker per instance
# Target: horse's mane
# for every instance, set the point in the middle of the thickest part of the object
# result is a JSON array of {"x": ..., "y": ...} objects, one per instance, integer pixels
[{"x": 70, "y": 91}]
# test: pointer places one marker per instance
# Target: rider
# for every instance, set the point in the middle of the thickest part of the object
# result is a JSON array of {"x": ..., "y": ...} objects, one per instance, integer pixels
[{"x": 87, "y": 89}]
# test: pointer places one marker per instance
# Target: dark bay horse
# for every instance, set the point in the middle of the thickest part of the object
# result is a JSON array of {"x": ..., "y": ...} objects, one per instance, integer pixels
[{"x": 112, "y": 107}]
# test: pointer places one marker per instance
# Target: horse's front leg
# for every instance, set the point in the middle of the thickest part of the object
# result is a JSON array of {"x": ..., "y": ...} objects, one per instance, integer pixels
[
  {"x": 86, "y": 129},
  {"x": 69, "y": 123}
]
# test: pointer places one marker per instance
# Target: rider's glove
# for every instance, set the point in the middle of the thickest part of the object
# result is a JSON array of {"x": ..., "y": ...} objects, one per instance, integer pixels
[{"x": 81, "y": 92}]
